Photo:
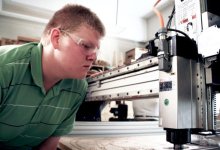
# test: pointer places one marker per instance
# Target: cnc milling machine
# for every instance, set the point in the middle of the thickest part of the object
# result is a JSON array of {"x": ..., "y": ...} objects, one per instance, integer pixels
[{"x": 176, "y": 70}]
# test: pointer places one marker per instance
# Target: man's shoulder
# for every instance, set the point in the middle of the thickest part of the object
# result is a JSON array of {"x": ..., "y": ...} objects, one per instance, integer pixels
[
  {"x": 12, "y": 53},
  {"x": 4, "y": 48},
  {"x": 14, "y": 63}
]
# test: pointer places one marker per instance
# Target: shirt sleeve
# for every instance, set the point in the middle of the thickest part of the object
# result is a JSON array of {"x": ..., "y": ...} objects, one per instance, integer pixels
[
  {"x": 1, "y": 91},
  {"x": 0, "y": 95},
  {"x": 67, "y": 125}
]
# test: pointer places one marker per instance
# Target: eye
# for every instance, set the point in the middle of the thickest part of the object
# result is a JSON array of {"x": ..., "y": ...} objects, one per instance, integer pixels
[{"x": 86, "y": 46}]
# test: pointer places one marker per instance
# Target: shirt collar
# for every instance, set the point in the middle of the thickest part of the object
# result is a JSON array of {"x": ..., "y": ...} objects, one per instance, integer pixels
[{"x": 36, "y": 66}]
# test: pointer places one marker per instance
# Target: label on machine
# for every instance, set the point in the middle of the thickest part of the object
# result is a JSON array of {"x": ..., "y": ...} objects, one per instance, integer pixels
[
  {"x": 165, "y": 86},
  {"x": 188, "y": 17}
]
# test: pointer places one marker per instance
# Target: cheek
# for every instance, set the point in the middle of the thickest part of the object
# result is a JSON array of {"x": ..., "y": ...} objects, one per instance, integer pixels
[
  {"x": 73, "y": 58},
  {"x": 71, "y": 55}
]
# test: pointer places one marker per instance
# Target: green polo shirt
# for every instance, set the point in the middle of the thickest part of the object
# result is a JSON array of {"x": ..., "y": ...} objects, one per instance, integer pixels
[{"x": 29, "y": 115}]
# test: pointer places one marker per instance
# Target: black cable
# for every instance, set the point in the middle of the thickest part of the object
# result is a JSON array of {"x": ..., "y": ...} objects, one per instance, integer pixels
[
  {"x": 169, "y": 24},
  {"x": 175, "y": 30},
  {"x": 170, "y": 18}
]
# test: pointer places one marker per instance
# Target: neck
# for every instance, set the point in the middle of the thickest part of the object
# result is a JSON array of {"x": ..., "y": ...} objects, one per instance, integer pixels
[
  {"x": 50, "y": 77},
  {"x": 48, "y": 83}
]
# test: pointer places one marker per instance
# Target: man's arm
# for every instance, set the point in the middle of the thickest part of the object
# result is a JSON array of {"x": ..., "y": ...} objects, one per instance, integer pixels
[{"x": 49, "y": 144}]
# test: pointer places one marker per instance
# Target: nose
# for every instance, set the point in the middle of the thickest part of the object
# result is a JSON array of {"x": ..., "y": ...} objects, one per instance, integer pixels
[{"x": 91, "y": 57}]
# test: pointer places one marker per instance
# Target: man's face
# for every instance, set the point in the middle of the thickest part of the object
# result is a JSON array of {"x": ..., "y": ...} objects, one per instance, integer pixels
[{"x": 78, "y": 50}]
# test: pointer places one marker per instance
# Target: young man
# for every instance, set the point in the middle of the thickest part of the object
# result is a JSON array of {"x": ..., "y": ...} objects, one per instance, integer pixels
[{"x": 42, "y": 84}]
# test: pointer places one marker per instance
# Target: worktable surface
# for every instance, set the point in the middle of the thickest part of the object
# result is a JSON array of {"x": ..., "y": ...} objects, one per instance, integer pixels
[{"x": 154, "y": 142}]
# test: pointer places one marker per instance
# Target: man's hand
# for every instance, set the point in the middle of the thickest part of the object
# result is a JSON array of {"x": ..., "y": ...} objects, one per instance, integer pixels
[{"x": 49, "y": 144}]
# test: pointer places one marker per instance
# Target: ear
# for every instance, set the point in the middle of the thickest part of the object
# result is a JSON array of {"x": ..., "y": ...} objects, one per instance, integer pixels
[{"x": 55, "y": 37}]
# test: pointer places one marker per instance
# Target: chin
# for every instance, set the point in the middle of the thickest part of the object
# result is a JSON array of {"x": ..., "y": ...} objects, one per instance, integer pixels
[{"x": 80, "y": 76}]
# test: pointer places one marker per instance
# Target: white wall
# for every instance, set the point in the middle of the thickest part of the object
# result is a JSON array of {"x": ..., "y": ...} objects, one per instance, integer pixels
[
  {"x": 12, "y": 27},
  {"x": 114, "y": 14},
  {"x": 112, "y": 48},
  {"x": 153, "y": 24}
]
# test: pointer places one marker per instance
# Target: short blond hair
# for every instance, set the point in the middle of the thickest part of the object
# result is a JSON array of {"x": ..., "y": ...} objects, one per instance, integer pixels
[{"x": 71, "y": 17}]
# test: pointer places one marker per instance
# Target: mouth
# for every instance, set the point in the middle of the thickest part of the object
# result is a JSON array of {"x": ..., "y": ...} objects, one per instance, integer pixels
[{"x": 87, "y": 66}]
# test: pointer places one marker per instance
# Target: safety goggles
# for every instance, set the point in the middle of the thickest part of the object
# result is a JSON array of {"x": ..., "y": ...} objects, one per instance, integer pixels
[{"x": 88, "y": 47}]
